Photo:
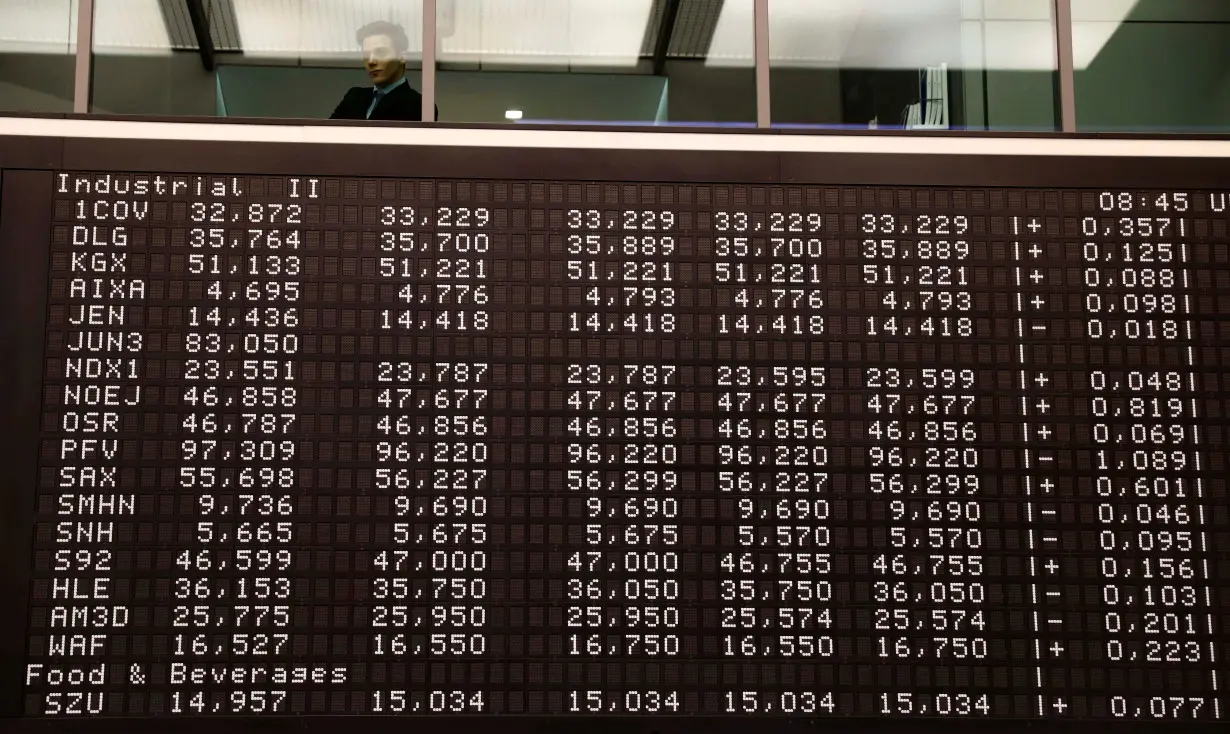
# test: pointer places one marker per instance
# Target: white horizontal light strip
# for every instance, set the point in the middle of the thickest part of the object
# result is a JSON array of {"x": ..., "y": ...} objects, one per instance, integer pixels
[
  {"x": 547, "y": 32},
  {"x": 38, "y": 26},
  {"x": 308, "y": 29},
  {"x": 734, "y": 38},
  {"x": 603, "y": 140},
  {"x": 908, "y": 34}
]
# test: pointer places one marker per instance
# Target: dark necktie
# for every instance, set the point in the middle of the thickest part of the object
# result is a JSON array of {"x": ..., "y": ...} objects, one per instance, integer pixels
[{"x": 376, "y": 97}]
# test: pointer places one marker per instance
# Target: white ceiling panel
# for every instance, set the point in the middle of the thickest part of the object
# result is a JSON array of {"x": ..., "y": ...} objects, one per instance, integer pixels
[
  {"x": 1020, "y": 45},
  {"x": 997, "y": 34},
  {"x": 1030, "y": 46},
  {"x": 179, "y": 23},
  {"x": 696, "y": 26},
  {"x": 38, "y": 26},
  {"x": 654, "y": 21},
  {"x": 973, "y": 34},
  {"x": 305, "y": 29},
  {"x": 223, "y": 26},
  {"x": 1093, "y": 24},
  {"x": 834, "y": 33},
  {"x": 130, "y": 27},
  {"x": 547, "y": 32},
  {"x": 1008, "y": 9}
]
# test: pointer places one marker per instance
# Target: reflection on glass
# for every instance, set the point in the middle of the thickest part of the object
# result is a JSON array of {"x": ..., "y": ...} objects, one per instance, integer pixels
[
  {"x": 37, "y": 43},
  {"x": 923, "y": 64},
  {"x": 594, "y": 62},
  {"x": 270, "y": 58},
  {"x": 1145, "y": 65},
  {"x": 390, "y": 97}
]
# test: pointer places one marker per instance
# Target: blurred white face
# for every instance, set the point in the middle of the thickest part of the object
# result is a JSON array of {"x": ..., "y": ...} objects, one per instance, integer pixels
[{"x": 382, "y": 61}]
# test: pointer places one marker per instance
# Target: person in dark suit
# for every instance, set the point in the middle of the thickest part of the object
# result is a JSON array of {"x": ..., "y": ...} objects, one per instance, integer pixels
[{"x": 391, "y": 97}]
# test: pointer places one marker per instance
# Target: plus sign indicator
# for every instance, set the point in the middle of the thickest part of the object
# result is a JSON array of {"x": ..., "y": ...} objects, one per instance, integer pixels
[{"x": 408, "y": 433}]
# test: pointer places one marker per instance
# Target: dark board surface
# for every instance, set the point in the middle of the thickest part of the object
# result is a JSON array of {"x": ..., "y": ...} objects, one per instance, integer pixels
[{"x": 23, "y": 241}]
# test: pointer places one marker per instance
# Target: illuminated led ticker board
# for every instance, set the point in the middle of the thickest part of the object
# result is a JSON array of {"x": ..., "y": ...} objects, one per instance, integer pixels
[{"x": 547, "y": 429}]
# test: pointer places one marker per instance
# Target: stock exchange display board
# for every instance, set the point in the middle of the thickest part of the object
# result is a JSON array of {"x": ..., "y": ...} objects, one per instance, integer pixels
[{"x": 592, "y": 434}]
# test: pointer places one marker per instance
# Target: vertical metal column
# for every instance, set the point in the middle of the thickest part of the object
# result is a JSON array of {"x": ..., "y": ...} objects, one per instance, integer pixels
[
  {"x": 761, "y": 54},
  {"x": 82, "y": 87},
  {"x": 199, "y": 15},
  {"x": 429, "y": 61},
  {"x": 1065, "y": 64}
]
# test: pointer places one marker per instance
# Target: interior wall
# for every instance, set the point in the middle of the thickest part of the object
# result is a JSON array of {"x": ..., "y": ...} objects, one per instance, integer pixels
[
  {"x": 1158, "y": 76},
  {"x": 287, "y": 91},
  {"x": 1008, "y": 72},
  {"x": 461, "y": 96},
  {"x": 805, "y": 96},
  {"x": 36, "y": 82},
  {"x": 484, "y": 96},
  {"x": 1166, "y": 11},
  {"x": 1020, "y": 100},
  {"x": 177, "y": 84},
  {"x": 700, "y": 93},
  {"x": 694, "y": 93},
  {"x": 166, "y": 85}
]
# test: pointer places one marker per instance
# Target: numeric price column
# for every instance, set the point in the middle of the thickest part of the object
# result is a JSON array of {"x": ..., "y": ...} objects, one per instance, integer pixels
[
  {"x": 626, "y": 569},
  {"x": 461, "y": 551},
  {"x": 773, "y": 480},
  {"x": 402, "y": 405},
  {"x": 245, "y": 264},
  {"x": 590, "y": 419},
  {"x": 1146, "y": 495},
  {"x": 936, "y": 599}
]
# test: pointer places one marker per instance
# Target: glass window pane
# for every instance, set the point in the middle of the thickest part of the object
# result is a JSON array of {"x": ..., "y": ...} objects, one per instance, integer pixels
[
  {"x": 922, "y": 64},
  {"x": 38, "y": 40},
  {"x": 272, "y": 58},
  {"x": 593, "y": 61},
  {"x": 146, "y": 61},
  {"x": 1152, "y": 65}
]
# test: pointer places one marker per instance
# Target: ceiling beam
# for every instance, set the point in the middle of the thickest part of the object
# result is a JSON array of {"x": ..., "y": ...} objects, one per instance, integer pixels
[
  {"x": 666, "y": 29},
  {"x": 200, "y": 28}
]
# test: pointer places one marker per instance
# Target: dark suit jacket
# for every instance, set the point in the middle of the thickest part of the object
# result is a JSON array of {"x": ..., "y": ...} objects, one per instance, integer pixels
[{"x": 403, "y": 103}]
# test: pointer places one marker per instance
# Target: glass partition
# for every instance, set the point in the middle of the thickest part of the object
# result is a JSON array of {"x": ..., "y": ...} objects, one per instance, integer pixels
[
  {"x": 1152, "y": 65},
  {"x": 1140, "y": 65},
  {"x": 38, "y": 40},
  {"x": 922, "y": 64},
  {"x": 271, "y": 58},
  {"x": 146, "y": 61},
  {"x": 596, "y": 61}
]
